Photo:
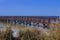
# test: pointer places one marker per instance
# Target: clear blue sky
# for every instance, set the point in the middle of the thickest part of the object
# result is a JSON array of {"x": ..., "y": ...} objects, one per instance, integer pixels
[{"x": 29, "y": 8}]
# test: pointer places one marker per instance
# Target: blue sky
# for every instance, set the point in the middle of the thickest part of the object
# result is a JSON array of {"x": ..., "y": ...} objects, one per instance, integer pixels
[{"x": 29, "y": 8}]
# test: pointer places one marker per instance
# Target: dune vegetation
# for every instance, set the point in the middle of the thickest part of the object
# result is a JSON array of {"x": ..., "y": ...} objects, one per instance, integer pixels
[{"x": 33, "y": 33}]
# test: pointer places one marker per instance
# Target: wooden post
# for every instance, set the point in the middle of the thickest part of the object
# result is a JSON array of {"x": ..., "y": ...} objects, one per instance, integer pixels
[
  {"x": 54, "y": 19},
  {"x": 48, "y": 20}
]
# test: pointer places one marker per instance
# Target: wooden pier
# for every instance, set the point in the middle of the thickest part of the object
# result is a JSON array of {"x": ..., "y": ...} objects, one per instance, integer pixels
[
  {"x": 34, "y": 19},
  {"x": 28, "y": 19}
]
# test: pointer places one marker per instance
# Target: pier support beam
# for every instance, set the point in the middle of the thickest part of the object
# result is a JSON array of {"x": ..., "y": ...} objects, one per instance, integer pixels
[
  {"x": 46, "y": 26},
  {"x": 28, "y": 23}
]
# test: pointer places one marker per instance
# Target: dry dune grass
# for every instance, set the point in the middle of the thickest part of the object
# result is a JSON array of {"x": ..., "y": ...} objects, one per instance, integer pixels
[
  {"x": 35, "y": 33},
  {"x": 55, "y": 31}
]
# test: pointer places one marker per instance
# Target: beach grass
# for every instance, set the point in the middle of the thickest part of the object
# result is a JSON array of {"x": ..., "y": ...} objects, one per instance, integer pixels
[{"x": 34, "y": 33}]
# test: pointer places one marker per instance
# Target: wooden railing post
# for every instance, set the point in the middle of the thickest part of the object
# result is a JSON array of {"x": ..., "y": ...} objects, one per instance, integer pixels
[{"x": 48, "y": 20}]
